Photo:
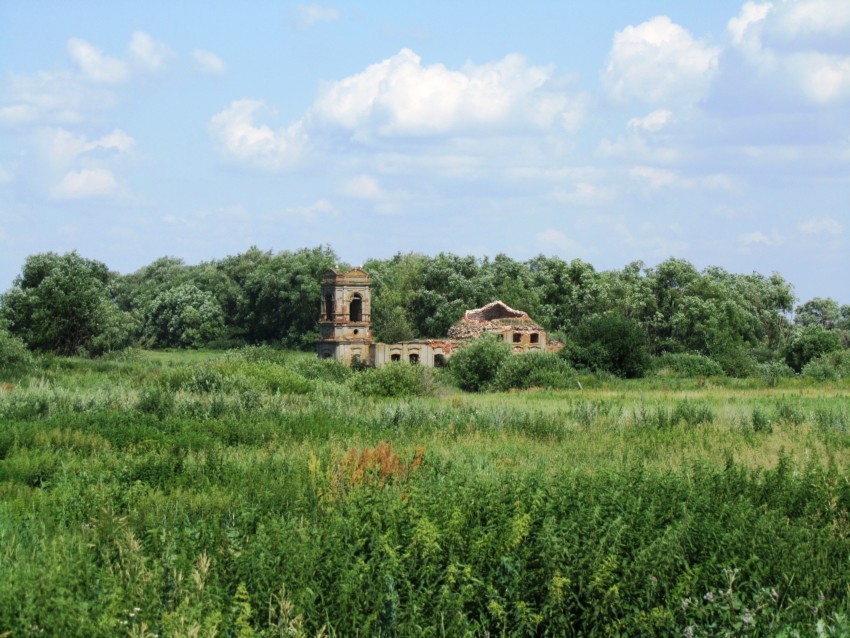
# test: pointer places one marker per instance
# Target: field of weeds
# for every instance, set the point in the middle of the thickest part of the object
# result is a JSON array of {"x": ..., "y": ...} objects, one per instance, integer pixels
[{"x": 267, "y": 493}]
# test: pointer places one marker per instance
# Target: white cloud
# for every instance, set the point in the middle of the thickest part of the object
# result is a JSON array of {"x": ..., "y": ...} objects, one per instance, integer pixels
[
  {"x": 147, "y": 52},
  {"x": 401, "y": 97},
  {"x": 86, "y": 184},
  {"x": 742, "y": 27},
  {"x": 320, "y": 209},
  {"x": 70, "y": 95},
  {"x": 659, "y": 61},
  {"x": 208, "y": 62},
  {"x": 94, "y": 65},
  {"x": 821, "y": 225},
  {"x": 818, "y": 18},
  {"x": 308, "y": 15},
  {"x": 584, "y": 194},
  {"x": 61, "y": 147},
  {"x": 655, "y": 177},
  {"x": 653, "y": 122},
  {"x": 554, "y": 239},
  {"x": 757, "y": 239},
  {"x": 791, "y": 50},
  {"x": 823, "y": 78},
  {"x": 363, "y": 187},
  {"x": 55, "y": 97},
  {"x": 242, "y": 140}
]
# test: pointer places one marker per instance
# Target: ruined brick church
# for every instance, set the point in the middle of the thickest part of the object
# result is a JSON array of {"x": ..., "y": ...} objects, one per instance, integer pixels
[{"x": 346, "y": 327}]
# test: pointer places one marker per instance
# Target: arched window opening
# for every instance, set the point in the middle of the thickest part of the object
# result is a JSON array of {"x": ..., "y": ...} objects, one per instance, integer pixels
[
  {"x": 329, "y": 307},
  {"x": 356, "y": 308},
  {"x": 414, "y": 358},
  {"x": 439, "y": 361}
]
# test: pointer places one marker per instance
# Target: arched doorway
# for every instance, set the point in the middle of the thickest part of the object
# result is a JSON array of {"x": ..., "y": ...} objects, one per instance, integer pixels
[{"x": 355, "y": 308}]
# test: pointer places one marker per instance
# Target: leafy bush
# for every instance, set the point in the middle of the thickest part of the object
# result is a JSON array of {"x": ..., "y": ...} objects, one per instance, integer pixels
[
  {"x": 609, "y": 343},
  {"x": 737, "y": 363},
  {"x": 832, "y": 366},
  {"x": 323, "y": 369},
  {"x": 476, "y": 364},
  {"x": 808, "y": 343},
  {"x": 234, "y": 375},
  {"x": 258, "y": 353},
  {"x": 534, "y": 370},
  {"x": 13, "y": 353},
  {"x": 395, "y": 379},
  {"x": 771, "y": 372},
  {"x": 686, "y": 364}
]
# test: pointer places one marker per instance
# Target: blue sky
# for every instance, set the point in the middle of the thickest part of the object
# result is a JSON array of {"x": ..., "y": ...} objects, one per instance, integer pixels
[{"x": 718, "y": 132}]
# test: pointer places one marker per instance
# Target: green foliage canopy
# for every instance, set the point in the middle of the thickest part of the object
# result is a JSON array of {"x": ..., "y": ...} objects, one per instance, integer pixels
[
  {"x": 476, "y": 364},
  {"x": 609, "y": 343},
  {"x": 63, "y": 304}
]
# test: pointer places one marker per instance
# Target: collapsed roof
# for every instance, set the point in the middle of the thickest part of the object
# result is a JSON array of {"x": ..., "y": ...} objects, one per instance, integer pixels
[{"x": 496, "y": 316}]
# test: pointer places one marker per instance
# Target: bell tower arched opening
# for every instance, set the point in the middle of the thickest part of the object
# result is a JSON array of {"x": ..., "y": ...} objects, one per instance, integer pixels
[{"x": 355, "y": 308}]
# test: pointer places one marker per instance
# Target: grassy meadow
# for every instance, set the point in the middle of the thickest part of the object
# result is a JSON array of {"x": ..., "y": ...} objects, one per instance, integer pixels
[{"x": 267, "y": 493}]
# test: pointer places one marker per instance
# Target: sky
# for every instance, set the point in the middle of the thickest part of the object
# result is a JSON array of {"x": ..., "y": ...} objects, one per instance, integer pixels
[{"x": 613, "y": 132}]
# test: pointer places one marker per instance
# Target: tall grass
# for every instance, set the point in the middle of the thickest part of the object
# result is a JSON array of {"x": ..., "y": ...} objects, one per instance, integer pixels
[{"x": 260, "y": 493}]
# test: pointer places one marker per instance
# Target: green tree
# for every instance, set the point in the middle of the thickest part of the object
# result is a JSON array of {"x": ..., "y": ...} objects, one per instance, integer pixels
[
  {"x": 62, "y": 304},
  {"x": 610, "y": 343},
  {"x": 395, "y": 282},
  {"x": 184, "y": 316},
  {"x": 818, "y": 312},
  {"x": 282, "y": 296}
]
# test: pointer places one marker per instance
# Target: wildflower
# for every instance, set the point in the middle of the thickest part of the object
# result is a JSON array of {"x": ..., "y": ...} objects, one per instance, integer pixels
[
  {"x": 686, "y": 603},
  {"x": 709, "y": 597},
  {"x": 748, "y": 619},
  {"x": 689, "y": 632}
]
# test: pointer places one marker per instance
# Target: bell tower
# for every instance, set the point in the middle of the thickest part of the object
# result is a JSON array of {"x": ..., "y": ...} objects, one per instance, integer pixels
[{"x": 345, "y": 322}]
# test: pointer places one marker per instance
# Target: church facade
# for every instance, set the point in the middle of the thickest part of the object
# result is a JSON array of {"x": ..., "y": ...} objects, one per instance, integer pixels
[{"x": 346, "y": 327}]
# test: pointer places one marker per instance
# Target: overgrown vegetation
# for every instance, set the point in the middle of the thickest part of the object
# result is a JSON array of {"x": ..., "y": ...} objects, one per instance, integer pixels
[
  {"x": 627, "y": 322},
  {"x": 264, "y": 492}
]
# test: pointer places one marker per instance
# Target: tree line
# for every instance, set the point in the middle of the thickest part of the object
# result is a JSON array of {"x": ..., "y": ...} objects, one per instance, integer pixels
[{"x": 613, "y": 319}]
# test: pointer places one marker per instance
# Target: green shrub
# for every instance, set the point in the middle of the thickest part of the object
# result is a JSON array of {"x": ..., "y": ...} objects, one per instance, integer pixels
[
  {"x": 323, "y": 369},
  {"x": 534, "y": 370},
  {"x": 808, "y": 343},
  {"x": 14, "y": 354},
  {"x": 832, "y": 366},
  {"x": 476, "y": 364},
  {"x": 760, "y": 421},
  {"x": 258, "y": 353},
  {"x": 771, "y": 372},
  {"x": 156, "y": 400},
  {"x": 686, "y": 364},
  {"x": 737, "y": 363},
  {"x": 395, "y": 379},
  {"x": 609, "y": 343},
  {"x": 235, "y": 375}
]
